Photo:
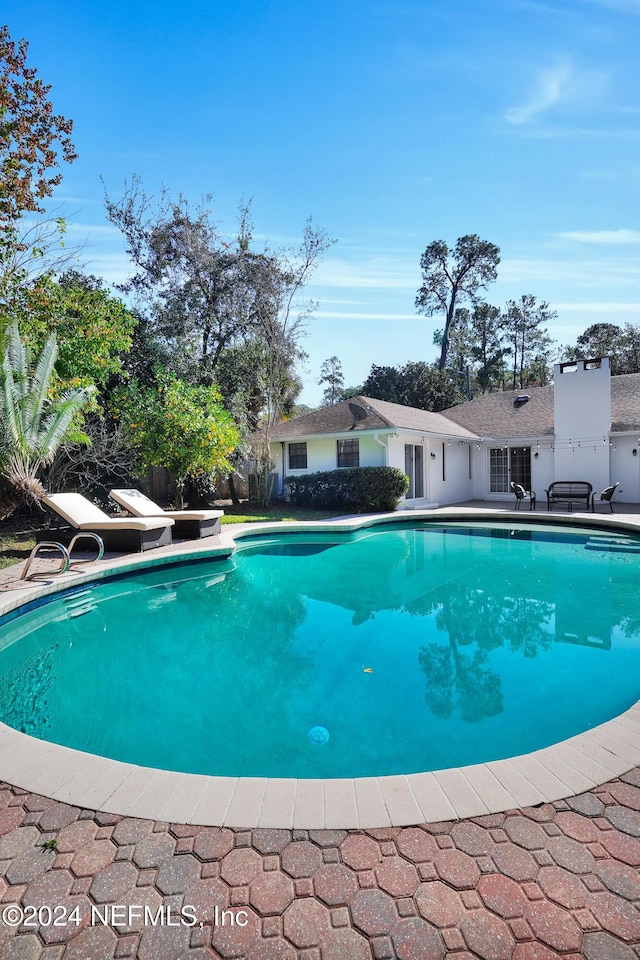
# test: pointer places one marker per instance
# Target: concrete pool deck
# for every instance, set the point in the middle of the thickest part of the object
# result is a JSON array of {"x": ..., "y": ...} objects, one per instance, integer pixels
[
  {"x": 557, "y": 879},
  {"x": 553, "y": 773}
]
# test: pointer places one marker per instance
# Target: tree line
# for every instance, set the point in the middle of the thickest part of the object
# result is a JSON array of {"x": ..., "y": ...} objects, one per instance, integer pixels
[
  {"x": 483, "y": 348},
  {"x": 178, "y": 367},
  {"x": 192, "y": 361}
]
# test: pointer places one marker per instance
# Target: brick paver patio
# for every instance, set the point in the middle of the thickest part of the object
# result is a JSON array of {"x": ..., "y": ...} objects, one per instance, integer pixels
[{"x": 558, "y": 880}]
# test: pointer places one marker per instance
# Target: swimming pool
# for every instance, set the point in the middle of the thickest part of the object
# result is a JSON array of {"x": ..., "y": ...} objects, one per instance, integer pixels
[{"x": 394, "y": 649}]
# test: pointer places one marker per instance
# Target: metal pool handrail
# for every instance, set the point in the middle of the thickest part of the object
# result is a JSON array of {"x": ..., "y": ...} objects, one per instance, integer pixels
[
  {"x": 47, "y": 545},
  {"x": 64, "y": 551}
]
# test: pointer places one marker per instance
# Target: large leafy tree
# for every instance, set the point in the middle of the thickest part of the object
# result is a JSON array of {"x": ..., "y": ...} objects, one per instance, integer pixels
[
  {"x": 206, "y": 292},
  {"x": 453, "y": 276},
  {"x": 631, "y": 354},
  {"x": 415, "y": 385},
  {"x": 239, "y": 379},
  {"x": 477, "y": 345},
  {"x": 209, "y": 295},
  {"x": 93, "y": 328},
  {"x": 183, "y": 428},
  {"x": 33, "y": 424},
  {"x": 34, "y": 142},
  {"x": 146, "y": 354},
  {"x": 383, "y": 383},
  {"x": 600, "y": 340},
  {"x": 93, "y": 331},
  {"x": 33, "y": 139},
  {"x": 620, "y": 344}
]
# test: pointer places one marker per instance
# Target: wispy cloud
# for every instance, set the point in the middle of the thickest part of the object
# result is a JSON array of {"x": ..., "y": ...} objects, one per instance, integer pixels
[
  {"x": 538, "y": 7},
  {"x": 550, "y": 131},
  {"x": 588, "y": 273},
  {"x": 339, "y": 302},
  {"x": 394, "y": 317},
  {"x": 83, "y": 201},
  {"x": 369, "y": 273},
  {"x": 590, "y": 307},
  {"x": 551, "y": 87},
  {"x": 609, "y": 237},
  {"x": 114, "y": 268},
  {"x": 624, "y": 6},
  {"x": 565, "y": 92},
  {"x": 97, "y": 230}
]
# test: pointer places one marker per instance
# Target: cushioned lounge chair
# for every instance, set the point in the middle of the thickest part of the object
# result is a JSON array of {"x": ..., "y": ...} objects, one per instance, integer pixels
[
  {"x": 189, "y": 524},
  {"x": 125, "y": 534}
]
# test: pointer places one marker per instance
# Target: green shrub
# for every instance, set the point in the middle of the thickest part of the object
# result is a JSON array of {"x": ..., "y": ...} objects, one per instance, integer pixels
[{"x": 356, "y": 489}]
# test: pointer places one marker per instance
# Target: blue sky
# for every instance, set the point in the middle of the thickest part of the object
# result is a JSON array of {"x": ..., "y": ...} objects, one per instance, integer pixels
[{"x": 392, "y": 124}]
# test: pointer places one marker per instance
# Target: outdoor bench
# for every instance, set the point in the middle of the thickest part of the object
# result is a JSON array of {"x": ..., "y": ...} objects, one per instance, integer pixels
[{"x": 569, "y": 492}]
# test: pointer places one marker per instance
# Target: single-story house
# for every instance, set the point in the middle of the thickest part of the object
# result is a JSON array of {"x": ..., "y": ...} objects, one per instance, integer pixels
[{"x": 586, "y": 426}]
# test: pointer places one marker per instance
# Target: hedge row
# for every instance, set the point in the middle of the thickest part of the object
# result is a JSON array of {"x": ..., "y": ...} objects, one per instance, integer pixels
[{"x": 355, "y": 490}]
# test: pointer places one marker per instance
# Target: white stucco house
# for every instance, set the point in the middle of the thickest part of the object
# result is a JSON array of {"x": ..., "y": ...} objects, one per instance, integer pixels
[{"x": 586, "y": 426}]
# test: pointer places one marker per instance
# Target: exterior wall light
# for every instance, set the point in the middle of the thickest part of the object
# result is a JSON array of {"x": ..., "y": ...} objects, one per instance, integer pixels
[
  {"x": 432, "y": 455},
  {"x": 634, "y": 452}
]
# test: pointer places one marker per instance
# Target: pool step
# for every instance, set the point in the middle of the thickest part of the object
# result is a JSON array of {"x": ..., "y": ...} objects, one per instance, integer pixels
[
  {"x": 612, "y": 545},
  {"x": 79, "y": 603},
  {"x": 80, "y": 611}
]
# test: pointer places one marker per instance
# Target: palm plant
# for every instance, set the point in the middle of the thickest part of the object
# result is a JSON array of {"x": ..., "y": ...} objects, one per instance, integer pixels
[{"x": 33, "y": 425}]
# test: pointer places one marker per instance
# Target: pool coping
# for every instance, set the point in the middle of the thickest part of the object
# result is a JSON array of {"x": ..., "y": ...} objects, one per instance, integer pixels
[{"x": 86, "y": 780}]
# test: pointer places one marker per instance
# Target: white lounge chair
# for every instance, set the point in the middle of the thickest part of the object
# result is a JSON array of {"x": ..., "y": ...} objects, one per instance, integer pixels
[
  {"x": 125, "y": 534},
  {"x": 189, "y": 524}
]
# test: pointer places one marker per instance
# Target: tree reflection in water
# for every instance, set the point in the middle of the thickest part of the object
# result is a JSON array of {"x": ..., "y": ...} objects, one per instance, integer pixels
[{"x": 463, "y": 682}]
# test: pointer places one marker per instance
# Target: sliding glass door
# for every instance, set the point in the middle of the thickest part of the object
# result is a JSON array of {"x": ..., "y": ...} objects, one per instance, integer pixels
[
  {"x": 414, "y": 469},
  {"x": 509, "y": 464}
]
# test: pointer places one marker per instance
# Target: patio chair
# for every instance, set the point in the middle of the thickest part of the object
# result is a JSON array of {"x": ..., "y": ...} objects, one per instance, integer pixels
[
  {"x": 188, "y": 524},
  {"x": 126, "y": 534},
  {"x": 522, "y": 494},
  {"x": 604, "y": 497}
]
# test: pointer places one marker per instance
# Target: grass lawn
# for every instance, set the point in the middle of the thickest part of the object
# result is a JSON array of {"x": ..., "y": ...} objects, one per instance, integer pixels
[
  {"x": 17, "y": 539},
  {"x": 247, "y": 512}
]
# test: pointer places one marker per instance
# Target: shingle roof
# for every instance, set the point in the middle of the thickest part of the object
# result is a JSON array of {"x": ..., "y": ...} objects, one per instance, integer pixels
[
  {"x": 410, "y": 418},
  {"x": 495, "y": 415},
  {"x": 382, "y": 415},
  {"x": 625, "y": 402}
]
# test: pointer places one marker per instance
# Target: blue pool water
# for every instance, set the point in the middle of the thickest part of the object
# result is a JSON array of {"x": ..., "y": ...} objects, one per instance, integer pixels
[{"x": 398, "y": 649}]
